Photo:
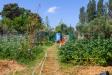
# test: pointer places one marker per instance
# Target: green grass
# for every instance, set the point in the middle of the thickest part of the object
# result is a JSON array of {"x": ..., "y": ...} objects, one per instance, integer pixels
[{"x": 38, "y": 59}]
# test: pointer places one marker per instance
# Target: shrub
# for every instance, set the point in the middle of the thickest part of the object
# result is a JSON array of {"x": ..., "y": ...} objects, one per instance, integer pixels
[
  {"x": 15, "y": 48},
  {"x": 84, "y": 52},
  {"x": 66, "y": 52}
]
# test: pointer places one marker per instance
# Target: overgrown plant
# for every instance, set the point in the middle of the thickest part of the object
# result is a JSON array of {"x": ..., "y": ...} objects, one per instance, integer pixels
[{"x": 15, "y": 48}]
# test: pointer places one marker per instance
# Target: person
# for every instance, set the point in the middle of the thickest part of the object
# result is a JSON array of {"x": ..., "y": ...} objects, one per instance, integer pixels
[{"x": 62, "y": 42}]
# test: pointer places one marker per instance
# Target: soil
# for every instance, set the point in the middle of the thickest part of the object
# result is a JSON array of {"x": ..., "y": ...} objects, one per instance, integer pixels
[
  {"x": 7, "y": 66},
  {"x": 86, "y": 70}
]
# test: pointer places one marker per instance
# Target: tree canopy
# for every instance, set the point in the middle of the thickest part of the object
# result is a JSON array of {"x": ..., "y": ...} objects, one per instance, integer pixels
[
  {"x": 99, "y": 22},
  {"x": 20, "y": 19}
]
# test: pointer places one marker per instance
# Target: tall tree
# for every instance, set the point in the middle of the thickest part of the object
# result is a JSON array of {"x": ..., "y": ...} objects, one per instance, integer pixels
[
  {"x": 48, "y": 28},
  {"x": 100, "y": 8},
  {"x": 20, "y": 23},
  {"x": 12, "y": 11},
  {"x": 34, "y": 23},
  {"x": 110, "y": 5},
  {"x": 47, "y": 23},
  {"x": 91, "y": 10},
  {"x": 110, "y": 8},
  {"x": 82, "y": 15},
  {"x": 62, "y": 27}
]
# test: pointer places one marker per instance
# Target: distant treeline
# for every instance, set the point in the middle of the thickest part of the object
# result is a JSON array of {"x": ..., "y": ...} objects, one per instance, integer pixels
[{"x": 96, "y": 20}]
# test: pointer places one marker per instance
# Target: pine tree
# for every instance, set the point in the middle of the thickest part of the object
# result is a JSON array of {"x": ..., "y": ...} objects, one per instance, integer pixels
[
  {"x": 82, "y": 15},
  {"x": 100, "y": 8},
  {"x": 91, "y": 10}
]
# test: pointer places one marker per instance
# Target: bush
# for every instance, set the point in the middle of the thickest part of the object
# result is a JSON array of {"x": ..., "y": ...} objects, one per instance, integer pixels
[
  {"x": 17, "y": 49},
  {"x": 26, "y": 56},
  {"x": 84, "y": 52},
  {"x": 66, "y": 52}
]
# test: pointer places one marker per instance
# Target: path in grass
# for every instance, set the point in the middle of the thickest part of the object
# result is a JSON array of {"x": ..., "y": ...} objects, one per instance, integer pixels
[
  {"x": 47, "y": 66},
  {"x": 51, "y": 66}
]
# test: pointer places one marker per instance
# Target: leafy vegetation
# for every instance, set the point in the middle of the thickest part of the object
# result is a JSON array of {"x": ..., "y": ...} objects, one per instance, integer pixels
[
  {"x": 16, "y": 48},
  {"x": 94, "y": 37},
  {"x": 95, "y": 28},
  {"x": 85, "y": 52},
  {"x": 21, "y": 36},
  {"x": 95, "y": 20}
]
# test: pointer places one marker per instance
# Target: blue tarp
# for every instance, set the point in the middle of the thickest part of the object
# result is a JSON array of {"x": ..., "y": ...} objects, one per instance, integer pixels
[{"x": 58, "y": 36}]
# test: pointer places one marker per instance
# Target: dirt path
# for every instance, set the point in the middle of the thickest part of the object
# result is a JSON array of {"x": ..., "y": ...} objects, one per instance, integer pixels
[{"x": 51, "y": 66}]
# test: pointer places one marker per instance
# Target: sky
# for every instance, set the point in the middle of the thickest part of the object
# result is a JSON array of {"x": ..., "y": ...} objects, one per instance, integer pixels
[{"x": 56, "y": 10}]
